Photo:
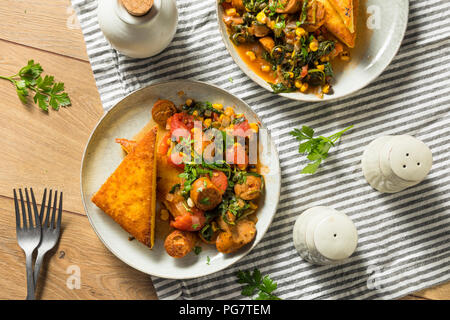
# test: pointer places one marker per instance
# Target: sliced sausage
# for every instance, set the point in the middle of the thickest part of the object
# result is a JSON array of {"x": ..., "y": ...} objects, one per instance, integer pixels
[
  {"x": 235, "y": 236},
  {"x": 315, "y": 17},
  {"x": 258, "y": 30},
  {"x": 250, "y": 189},
  {"x": 179, "y": 243},
  {"x": 205, "y": 194},
  {"x": 267, "y": 43},
  {"x": 289, "y": 6},
  {"x": 163, "y": 110}
]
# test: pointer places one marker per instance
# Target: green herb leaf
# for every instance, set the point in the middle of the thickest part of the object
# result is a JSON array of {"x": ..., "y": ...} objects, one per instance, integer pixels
[
  {"x": 256, "y": 282},
  {"x": 46, "y": 91},
  {"x": 316, "y": 148}
]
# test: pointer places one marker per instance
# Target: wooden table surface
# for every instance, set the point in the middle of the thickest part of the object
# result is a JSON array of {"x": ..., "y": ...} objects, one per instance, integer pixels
[{"x": 44, "y": 150}]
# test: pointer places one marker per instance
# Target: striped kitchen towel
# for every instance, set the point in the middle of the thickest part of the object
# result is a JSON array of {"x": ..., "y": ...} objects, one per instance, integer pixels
[{"x": 404, "y": 238}]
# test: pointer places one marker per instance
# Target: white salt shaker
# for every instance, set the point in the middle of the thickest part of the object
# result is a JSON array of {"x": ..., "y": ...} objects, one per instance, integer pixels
[
  {"x": 393, "y": 163},
  {"x": 138, "y": 28},
  {"x": 324, "y": 236}
]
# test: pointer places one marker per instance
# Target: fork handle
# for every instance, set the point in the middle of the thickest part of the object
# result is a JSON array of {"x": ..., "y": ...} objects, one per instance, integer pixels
[
  {"x": 30, "y": 279},
  {"x": 37, "y": 265}
]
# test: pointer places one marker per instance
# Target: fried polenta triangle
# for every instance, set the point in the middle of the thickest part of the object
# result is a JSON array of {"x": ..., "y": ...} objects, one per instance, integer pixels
[
  {"x": 129, "y": 194},
  {"x": 335, "y": 24},
  {"x": 345, "y": 10}
]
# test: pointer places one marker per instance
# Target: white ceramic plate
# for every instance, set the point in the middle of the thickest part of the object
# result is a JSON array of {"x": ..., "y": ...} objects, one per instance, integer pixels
[
  {"x": 103, "y": 155},
  {"x": 374, "y": 50}
]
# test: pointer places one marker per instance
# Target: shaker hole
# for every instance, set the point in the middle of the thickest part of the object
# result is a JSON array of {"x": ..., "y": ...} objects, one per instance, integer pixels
[
  {"x": 335, "y": 235},
  {"x": 418, "y": 163},
  {"x": 407, "y": 154},
  {"x": 404, "y": 166}
]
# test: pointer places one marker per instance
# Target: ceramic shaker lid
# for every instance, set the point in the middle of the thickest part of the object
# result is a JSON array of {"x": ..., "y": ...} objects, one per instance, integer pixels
[
  {"x": 137, "y": 7},
  {"x": 410, "y": 158},
  {"x": 336, "y": 237}
]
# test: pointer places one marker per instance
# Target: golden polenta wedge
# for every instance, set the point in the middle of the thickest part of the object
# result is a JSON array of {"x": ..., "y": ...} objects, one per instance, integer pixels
[
  {"x": 129, "y": 194},
  {"x": 335, "y": 24},
  {"x": 345, "y": 9}
]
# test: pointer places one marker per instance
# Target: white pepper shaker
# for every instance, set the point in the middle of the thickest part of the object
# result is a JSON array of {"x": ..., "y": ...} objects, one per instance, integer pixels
[
  {"x": 393, "y": 163},
  {"x": 324, "y": 236},
  {"x": 138, "y": 28}
]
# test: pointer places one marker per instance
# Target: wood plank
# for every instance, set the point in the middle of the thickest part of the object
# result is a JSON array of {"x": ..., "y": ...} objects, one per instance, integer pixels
[
  {"x": 45, "y": 24},
  {"x": 441, "y": 292},
  {"x": 411, "y": 297},
  {"x": 42, "y": 149},
  {"x": 102, "y": 275}
]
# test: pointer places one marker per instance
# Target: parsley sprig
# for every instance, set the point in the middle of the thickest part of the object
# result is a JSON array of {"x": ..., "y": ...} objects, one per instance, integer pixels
[
  {"x": 255, "y": 281},
  {"x": 47, "y": 92},
  {"x": 316, "y": 148}
]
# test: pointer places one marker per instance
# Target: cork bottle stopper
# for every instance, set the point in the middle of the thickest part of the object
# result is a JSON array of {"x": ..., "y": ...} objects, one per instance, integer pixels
[{"x": 137, "y": 7}]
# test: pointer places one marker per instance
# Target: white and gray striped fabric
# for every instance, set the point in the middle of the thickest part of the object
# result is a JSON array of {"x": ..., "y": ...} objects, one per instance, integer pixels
[{"x": 404, "y": 238}]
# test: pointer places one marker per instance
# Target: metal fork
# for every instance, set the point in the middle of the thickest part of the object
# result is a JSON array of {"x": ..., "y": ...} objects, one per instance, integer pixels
[
  {"x": 28, "y": 234},
  {"x": 50, "y": 228}
]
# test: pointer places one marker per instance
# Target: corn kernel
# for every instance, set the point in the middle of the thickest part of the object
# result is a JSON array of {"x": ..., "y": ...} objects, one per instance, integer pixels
[
  {"x": 195, "y": 113},
  {"x": 300, "y": 32},
  {"x": 207, "y": 122},
  {"x": 254, "y": 127},
  {"x": 229, "y": 111},
  {"x": 298, "y": 84},
  {"x": 251, "y": 55},
  {"x": 321, "y": 67},
  {"x": 272, "y": 25},
  {"x": 304, "y": 87},
  {"x": 164, "y": 214},
  {"x": 214, "y": 226},
  {"x": 261, "y": 17},
  {"x": 265, "y": 68},
  {"x": 217, "y": 106},
  {"x": 230, "y": 12},
  {"x": 326, "y": 88},
  {"x": 188, "y": 102},
  {"x": 252, "y": 205},
  {"x": 345, "y": 56},
  {"x": 291, "y": 74},
  {"x": 325, "y": 59},
  {"x": 314, "y": 45}
]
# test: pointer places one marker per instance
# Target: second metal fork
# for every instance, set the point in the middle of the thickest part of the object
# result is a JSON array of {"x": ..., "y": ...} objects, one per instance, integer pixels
[{"x": 51, "y": 226}]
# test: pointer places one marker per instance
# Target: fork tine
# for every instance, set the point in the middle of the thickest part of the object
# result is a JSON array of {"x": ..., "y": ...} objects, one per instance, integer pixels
[
  {"x": 49, "y": 204},
  {"x": 52, "y": 225},
  {"x": 30, "y": 216},
  {"x": 58, "y": 222},
  {"x": 41, "y": 214},
  {"x": 16, "y": 206},
  {"x": 22, "y": 203},
  {"x": 35, "y": 210}
]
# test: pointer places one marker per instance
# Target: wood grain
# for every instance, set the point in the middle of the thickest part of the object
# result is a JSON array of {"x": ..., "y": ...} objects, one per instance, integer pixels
[
  {"x": 42, "y": 149},
  {"x": 102, "y": 275},
  {"x": 49, "y": 25}
]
